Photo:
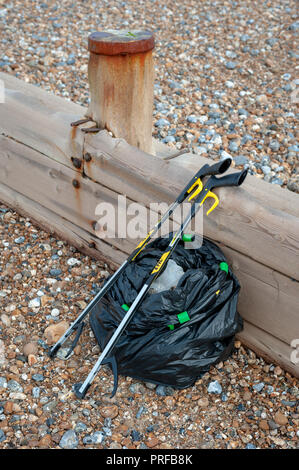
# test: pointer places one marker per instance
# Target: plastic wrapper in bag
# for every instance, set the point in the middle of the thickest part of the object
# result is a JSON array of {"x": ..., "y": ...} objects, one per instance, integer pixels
[{"x": 175, "y": 335}]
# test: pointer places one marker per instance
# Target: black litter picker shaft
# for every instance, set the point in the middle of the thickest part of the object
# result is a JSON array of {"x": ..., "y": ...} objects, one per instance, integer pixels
[
  {"x": 190, "y": 191},
  {"x": 235, "y": 179}
]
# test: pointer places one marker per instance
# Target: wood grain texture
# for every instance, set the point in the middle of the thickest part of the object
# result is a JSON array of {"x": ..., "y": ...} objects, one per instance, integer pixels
[
  {"x": 267, "y": 299},
  {"x": 273, "y": 350},
  {"x": 249, "y": 220},
  {"x": 122, "y": 96},
  {"x": 51, "y": 222},
  {"x": 40, "y": 120},
  {"x": 51, "y": 184}
]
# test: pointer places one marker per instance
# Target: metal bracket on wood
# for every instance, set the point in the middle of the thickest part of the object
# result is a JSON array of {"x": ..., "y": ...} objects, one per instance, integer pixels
[
  {"x": 81, "y": 121},
  {"x": 91, "y": 129}
]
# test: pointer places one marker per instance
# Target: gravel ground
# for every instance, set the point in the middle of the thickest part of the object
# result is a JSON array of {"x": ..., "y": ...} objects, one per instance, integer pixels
[
  {"x": 44, "y": 284},
  {"x": 225, "y": 82},
  {"x": 226, "y": 75}
]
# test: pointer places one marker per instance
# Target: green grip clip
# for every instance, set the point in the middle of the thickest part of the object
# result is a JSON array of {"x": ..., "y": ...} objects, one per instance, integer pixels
[
  {"x": 188, "y": 237},
  {"x": 182, "y": 317},
  {"x": 224, "y": 267},
  {"x": 125, "y": 307}
]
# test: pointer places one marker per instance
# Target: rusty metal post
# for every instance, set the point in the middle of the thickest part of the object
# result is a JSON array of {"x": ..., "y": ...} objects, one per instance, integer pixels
[{"x": 121, "y": 83}]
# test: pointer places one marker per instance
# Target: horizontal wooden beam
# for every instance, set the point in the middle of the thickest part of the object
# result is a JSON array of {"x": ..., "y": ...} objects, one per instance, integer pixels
[
  {"x": 248, "y": 219},
  {"x": 256, "y": 225},
  {"x": 268, "y": 298},
  {"x": 44, "y": 180},
  {"x": 258, "y": 219},
  {"x": 57, "y": 225},
  {"x": 269, "y": 347}
]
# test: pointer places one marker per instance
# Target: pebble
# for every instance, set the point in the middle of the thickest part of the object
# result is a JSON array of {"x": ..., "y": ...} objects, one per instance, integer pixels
[
  {"x": 53, "y": 332},
  {"x": 80, "y": 427},
  {"x": 34, "y": 303},
  {"x": 229, "y": 84},
  {"x": 150, "y": 385},
  {"x": 250, "y": 446},
  {"x": 139, "y": 412},
  {"x": 240, "y": 160},
  {"x": 3, "y": 382},
  {"x": 36, "y": 392},
  {"x": 280, "y": 418},
  {"x": 263, "y": 424},
  {"x": 14, "y": 386},
  {"x": 233, "y": 146},
  {"x": 69, "y": 440},
  {"x": 109, "y": 411},
  {"x": 274, "y": 145},
  {"x": 164, "y": 391},
  {"x": 73, "y": 261},
  {"x": 214, "y": 387},
  {"x": 38, "y": 377},
  {"x": 162, "y": 123},
  {"x": 135, "y": 435},
  {"x": 231, "y": 65},
  {"x": 192, "y": 119},
  {"x": 278, "y": 181},
  {"x": 266, "y": 169},
  {"x": 203, "y": 402},
  {"x": 55, "y": 272},
  {"x": 55, "y": 312},
  {"x": 258, "y": 387},
  {"x": 278, "y": 371},
  {"x": 95, "y": 438},
  {"x": 19, "y": 240},
  {"x": 30, "y": 348},
  {"x": 17, "y": 396},
  {"x": 50, "y": 406}
]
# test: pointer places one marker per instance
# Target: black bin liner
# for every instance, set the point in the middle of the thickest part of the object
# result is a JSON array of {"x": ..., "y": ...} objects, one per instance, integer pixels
[{"x": 148, "y": 349}]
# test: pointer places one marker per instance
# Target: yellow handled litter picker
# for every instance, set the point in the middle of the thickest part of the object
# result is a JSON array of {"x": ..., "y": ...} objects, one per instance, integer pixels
[{"x": 198, "y": 193}]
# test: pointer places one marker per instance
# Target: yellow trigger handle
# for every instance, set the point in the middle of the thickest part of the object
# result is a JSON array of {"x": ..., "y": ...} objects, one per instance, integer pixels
[
  {"x": 197, "y": 191},
  {"x": 213, "y": 195}
]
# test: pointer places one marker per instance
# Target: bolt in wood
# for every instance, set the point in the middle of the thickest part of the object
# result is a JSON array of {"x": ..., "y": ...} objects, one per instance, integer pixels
[
  {"x": 76, "y": 162},
  {"x": 76, "y": 184},
  {"x": 87, "y": 157}
]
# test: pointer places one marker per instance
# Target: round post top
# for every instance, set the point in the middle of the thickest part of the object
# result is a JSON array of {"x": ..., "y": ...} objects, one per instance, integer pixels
[{"x": 123, "y": 41}]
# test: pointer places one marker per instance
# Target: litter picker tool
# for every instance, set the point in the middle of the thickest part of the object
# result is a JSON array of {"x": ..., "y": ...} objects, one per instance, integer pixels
[
  {"x": 199, "y": 195},
  {"x": 190, "y": 191}
]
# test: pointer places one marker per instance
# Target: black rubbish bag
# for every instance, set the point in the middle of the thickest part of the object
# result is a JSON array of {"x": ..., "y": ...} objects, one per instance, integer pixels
[{"x": 175, "y": 335}]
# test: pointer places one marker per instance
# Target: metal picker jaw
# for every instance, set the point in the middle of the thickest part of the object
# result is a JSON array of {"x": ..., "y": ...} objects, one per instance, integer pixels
[
  {"x": 77, "y": 390},
  {"x": 54, "y": 350},
  {"x": 80, "y": 389}
]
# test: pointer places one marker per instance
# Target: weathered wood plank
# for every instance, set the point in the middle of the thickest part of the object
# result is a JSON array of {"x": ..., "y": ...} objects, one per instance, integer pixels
[
  {"x": 243, "y": 221},
  {"x": 52, "y": 222},
  {"x": 257, "y": 225},
  {"x": 40, "y": 120},
  {"x": 270, "y": 348},
  {"x": 268, "y": 299},
  {"x": 253, "y": 219},
  {"x": 271, "y": 194},
  {"x": 272, "y": 297},
  {"x": 51, "y": 184}
]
